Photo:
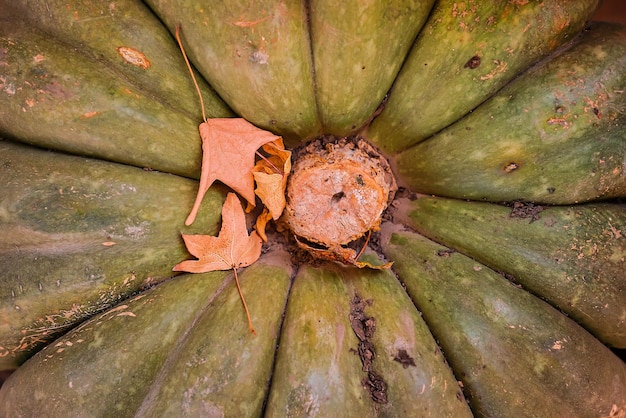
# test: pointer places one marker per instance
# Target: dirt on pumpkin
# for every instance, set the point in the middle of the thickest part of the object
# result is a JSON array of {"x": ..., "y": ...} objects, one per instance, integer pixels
[
  {"x": 364, "y": 327},
  {"x": 526, "y": 210}
]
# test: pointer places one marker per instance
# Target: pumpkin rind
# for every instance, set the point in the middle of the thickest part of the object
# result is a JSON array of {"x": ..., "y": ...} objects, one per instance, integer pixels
[
  {"x": 442, "y": 80},
  {"x": 306, "y": 383},
  {"x": 515, "y": 354},
  {"x": 78, "y": 236},
  {"x": 554, "y": 135},
  {"x": 131, "y": 40},
  {"x": 256, "y": 55},
  {"x": 191, "y": 337},
  {"x": 573, "y": 257},
  {"x": 348, "y": 93},
  {"x": 69, "y": 101},
  {"x": 183, "y": 346}
]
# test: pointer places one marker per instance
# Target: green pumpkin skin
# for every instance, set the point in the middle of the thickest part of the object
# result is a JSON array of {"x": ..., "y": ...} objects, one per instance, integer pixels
[
  {"x": 199, "y": 359},
  {"x": 128, "y": 38},
  {"x": 256, "y": 55},
  {"x": 78, "y": 236},
  {"x": 70, "y": 100},
  {"x": 466, "y": 52},
  {"x": 554, "y": 135},
  {"x": 561, "y": 254},
  {"x": 180, "y": 349},
  {"x": 187, "y": 331},
  {"x": 306, "y": 383},
  {"x": 516, "y": 355},
  {"x": 348, "y": 94}
]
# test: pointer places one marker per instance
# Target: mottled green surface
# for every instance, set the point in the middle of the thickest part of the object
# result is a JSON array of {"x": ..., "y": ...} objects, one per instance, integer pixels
[
  {"x": 554, "y": 135},
  {"x": 349, "y": 91},
  {"x": 181, "y": 349},
  {"x": 220, "y": 368},
  {"x": 78, "y": 235},
  {"x": 96, "y": 231},
  {"x": 318, "y": 321},
  {"x": 257, "y": 56},
  {"x": 56, "y": 96},
  {"x": 515, "y": 354},
  {"x": 574, "y": 257},
  {"x": 98, "y": 28},
  {"x": 437, "y": 85}
]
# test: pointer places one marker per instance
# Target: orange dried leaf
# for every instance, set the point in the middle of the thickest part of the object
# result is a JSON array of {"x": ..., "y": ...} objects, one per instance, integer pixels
[
  {"x": 228, "y": 149},
  {"x": 231, "y": 249},
  {"x": 271, "y": 175},
  {"x": 346, "y": 256},
  {"x": 261, "y": 223}
]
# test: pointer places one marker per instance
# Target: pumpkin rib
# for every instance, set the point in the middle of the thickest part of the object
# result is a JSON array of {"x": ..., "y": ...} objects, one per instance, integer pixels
[
  {"x": 558, "y": 254},
  {"x": 174, "y": 353},
  {"x": 209, "y": 354},
  {"x": 266, "y": 42},
  {"x": 150, "y": 61},
  {"x": 397, "y": 153},
  {"x": 437, "y": 74},
  {"x": 513, "y": 352},
  {"x": 98, "y": 235},
  {"x": 68, "y": 103},
  {"x": 553, "y": 136},
  {"x": 349, "y": 93}
]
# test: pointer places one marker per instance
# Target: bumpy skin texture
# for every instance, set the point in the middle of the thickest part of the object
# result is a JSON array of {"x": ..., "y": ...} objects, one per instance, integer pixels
[
  {"x": 81, "y": 235},
  {"x": 75, "y": 79}
]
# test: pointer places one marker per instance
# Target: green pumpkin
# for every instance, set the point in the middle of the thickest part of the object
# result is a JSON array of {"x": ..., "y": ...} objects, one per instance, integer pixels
[{"x": 503, "y": 123}]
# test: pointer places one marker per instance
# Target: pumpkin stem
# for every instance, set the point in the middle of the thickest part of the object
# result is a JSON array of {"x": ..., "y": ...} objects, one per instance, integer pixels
[{"x": 193, "y": 77}]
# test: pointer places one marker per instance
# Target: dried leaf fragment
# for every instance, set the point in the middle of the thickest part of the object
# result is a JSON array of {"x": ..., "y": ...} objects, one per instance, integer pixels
[
  {"x": 271, "y": 175},
  {"x": 341, "y": 255}
]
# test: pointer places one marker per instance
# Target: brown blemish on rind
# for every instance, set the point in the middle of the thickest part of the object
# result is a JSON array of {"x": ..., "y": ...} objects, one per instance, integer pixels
[
  {"x": 526, "y": 210},
  {"x": 364, "y": 328},
  {"x": 511, "y": 167},
  {"x": 473, "y": 62},
  {"x": 134, "y": 57},
  {"x": 404, "y": 359}
]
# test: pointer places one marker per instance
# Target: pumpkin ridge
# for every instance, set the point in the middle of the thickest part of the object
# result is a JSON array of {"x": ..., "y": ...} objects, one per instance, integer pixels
[{"x": 173, "y": 355}]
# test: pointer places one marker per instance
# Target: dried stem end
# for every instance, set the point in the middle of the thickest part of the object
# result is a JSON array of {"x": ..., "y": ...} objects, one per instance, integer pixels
[{"x": 338, "y": 191}]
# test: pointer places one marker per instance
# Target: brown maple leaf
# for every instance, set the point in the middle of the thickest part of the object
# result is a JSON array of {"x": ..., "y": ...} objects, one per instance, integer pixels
[
  {"x": 231, "y": 249},
  {"x": 229, "y": 146}
]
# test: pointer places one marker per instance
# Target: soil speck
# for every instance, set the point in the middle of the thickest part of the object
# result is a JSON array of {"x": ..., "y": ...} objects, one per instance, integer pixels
[
  {"x": 526, "y": 210},
  {"x": 404, "y": 359}
]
